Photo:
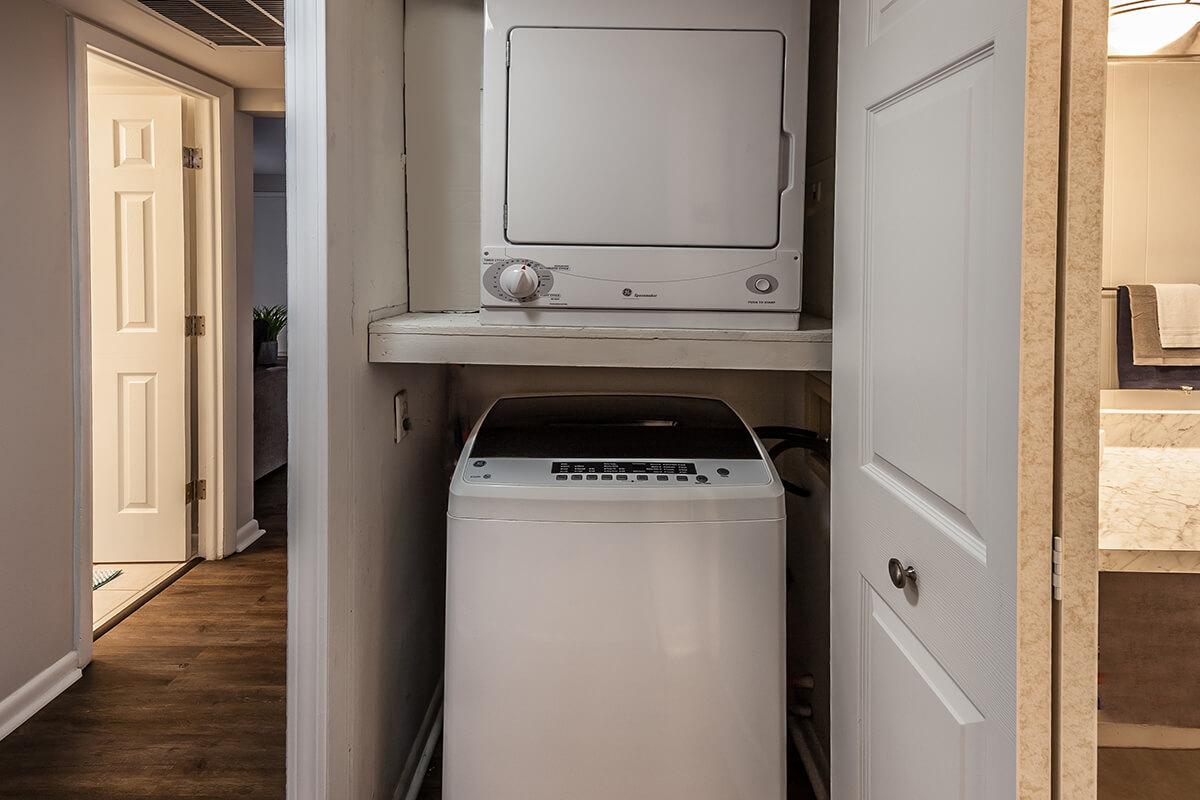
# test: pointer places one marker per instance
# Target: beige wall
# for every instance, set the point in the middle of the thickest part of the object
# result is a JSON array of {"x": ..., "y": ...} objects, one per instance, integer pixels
[
  {"x": 1151, "y": 175},
  {"x": 37, "y": 428}
]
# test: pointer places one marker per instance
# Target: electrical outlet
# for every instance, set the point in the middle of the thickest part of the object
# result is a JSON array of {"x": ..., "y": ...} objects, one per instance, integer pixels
[
  {"x": 403, "y": 423},
  {"x": 814, "y": 195}
]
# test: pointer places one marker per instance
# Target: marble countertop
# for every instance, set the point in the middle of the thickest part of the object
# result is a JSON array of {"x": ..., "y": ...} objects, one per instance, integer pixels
[{"x": 1150, "y": 509}]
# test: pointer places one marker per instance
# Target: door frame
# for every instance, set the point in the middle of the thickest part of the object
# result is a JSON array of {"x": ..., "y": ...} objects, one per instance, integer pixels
[
  {"x": 1078, "y": 371},
  {"x": 214, "y": 297}
]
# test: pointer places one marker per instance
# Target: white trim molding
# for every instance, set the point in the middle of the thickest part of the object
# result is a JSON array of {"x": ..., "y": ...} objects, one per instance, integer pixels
[
  {"x": 248, "y": 534},
  {"x": 38, "y": 691},
  {"x": 308, "y": 542}
]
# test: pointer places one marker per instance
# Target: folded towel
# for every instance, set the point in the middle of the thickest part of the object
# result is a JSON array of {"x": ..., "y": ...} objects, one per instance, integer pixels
[
  {"x": 1178, "y": 314},
  {"x": 1132, "y": 376},
  {"x": 1147, "y": 346}
]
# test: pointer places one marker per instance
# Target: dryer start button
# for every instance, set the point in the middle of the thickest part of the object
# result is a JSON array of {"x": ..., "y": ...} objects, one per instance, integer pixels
[{"x": 762, "y": 284}]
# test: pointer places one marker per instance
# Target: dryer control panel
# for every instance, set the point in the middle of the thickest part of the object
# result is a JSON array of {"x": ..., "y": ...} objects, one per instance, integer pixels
[{"x": 517, "y": 280}]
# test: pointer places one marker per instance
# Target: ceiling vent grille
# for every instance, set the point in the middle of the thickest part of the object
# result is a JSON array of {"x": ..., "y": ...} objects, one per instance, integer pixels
[{"x": 226, "y": 23}]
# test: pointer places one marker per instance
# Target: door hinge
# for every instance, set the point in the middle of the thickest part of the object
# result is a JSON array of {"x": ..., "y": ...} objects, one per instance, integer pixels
[
  {"x": 1056, "y": 553},
  {"x": 195, "y": 490},
  {"x": 506, "y": 216},
  {"x": 193, "y": 325},
  {"x": 193, "y": 158},
  {"x": 508, "y": 54}
]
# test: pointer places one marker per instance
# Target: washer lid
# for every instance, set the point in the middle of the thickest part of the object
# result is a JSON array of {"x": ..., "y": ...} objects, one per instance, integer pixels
[{"x": 625, "y": 427}]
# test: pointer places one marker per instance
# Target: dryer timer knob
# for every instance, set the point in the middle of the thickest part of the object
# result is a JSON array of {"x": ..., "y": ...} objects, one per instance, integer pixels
[{"x": 519, "y": 280}]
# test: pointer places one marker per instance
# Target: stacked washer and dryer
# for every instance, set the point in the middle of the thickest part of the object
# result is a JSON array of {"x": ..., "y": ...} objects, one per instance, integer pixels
[
  {"x": 615, "y": 585},
  {"x": 615, "y": 604}
]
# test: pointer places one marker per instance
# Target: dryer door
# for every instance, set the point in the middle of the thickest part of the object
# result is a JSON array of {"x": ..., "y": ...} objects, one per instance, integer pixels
[{"x": 645, "y": 137}]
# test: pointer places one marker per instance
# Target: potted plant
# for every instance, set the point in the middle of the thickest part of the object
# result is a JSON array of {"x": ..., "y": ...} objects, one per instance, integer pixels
[{"x": 272, "y": 319}]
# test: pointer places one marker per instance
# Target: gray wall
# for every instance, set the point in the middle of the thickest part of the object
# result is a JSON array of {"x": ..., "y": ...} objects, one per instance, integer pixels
[
  {"x": 270, "y": 216},
  {"x": 270, "y": 248},
  {"x": 37, "y": 464}
]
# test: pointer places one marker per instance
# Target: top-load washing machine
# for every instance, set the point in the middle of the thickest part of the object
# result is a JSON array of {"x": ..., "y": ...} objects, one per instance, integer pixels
[
  {"x": 615, "y": 604},
  {"x": 642, "y": 163}
]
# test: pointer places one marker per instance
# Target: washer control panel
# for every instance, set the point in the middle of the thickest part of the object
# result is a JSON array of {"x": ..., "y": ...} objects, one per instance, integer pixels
[
  {"x": 518, "y": 280},
  {"x": 540, "y": 472}
]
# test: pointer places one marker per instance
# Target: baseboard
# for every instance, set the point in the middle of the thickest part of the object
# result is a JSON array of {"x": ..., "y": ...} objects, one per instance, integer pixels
[
  {"x": 423, "y": 743},
  {"x": 37, "y": 692},
  {"x": 248, "y": 534},
  {"x": 1153, "y": 737}
]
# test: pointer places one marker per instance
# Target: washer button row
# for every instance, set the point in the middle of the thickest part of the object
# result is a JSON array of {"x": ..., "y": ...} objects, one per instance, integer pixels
[{"x": 681, "y": 478}]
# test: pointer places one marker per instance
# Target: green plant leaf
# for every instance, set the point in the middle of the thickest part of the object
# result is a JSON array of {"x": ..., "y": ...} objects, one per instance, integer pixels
[{"x": 274, "y": 316}]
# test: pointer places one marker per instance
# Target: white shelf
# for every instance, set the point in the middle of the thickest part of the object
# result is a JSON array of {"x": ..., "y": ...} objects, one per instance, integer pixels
[{"x": 452, "y": 338}]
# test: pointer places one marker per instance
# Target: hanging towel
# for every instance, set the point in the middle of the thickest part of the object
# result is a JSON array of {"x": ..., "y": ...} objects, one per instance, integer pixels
[
  {"x": 1132, "y": 376},
  {"x": 1147, "y": 346},
  {"x": 1178, "y": 314}
]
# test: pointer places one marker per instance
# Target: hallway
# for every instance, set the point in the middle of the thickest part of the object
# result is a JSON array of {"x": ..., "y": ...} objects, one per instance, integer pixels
[{"x": 185, "y": 698}]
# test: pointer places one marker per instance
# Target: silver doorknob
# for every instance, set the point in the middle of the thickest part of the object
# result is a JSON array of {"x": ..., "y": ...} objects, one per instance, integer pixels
[{"x": 901, "y": 575}]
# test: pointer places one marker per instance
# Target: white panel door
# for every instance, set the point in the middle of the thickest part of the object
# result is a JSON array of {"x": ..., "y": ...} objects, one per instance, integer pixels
[
  {"x": 138, "y": 299},
  {"x": 926, "y": 345}
]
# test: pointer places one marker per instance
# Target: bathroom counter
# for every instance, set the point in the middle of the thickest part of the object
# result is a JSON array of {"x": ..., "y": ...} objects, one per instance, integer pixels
[{"x": 1150, "y": 509}]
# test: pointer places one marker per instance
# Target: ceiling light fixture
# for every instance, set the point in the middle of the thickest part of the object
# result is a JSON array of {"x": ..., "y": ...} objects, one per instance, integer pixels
[{"x": 1151, "y": 27}]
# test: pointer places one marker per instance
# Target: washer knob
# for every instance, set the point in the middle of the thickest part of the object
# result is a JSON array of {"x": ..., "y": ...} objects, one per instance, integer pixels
[{"x": 519, "y": 280}]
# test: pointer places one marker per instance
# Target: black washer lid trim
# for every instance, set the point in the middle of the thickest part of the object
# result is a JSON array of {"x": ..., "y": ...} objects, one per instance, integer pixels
[{"x": 643, "y": 427}]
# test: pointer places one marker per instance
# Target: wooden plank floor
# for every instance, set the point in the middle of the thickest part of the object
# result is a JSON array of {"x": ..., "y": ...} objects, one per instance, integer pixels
[{"x": 184, "y": 699}]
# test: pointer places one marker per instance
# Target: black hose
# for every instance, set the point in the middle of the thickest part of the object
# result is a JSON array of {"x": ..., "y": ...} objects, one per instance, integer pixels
[
  {"x": 783, "y": 432},
  {"x": 795, "y": 488},
  {"x": 818, "y": 446},
  {"x": 792, "y": 439}
]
